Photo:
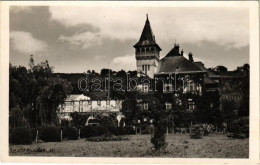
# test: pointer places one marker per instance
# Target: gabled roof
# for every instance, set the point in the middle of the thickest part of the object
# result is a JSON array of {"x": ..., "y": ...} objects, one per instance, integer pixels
[
  {"x": 201, "y": 66},
  {"x": 208, "y": 80},
  {"x": 147, "y": 38},
  {"x": 77, "y": 97},
  {"x": 173, "y": 62}
]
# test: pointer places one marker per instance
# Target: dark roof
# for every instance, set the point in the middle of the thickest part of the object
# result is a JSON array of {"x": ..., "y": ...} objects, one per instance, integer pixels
[
  {"x": 208, "y": 80},
  {"x": 147, "y": 38},
  {"x": 173, "y": 62},
  {"x": 201, "y": 66}
]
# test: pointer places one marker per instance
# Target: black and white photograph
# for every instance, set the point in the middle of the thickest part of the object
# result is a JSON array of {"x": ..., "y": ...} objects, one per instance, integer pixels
[{"x": 129, "y": 81}]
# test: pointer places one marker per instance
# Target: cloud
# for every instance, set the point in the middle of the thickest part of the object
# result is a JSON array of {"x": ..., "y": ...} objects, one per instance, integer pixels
[
  {"x": 127, "y": 62},
  {"x": 24, "y": 42},
  {"x": 17, "y": 9},
  {"x": 83, "y": 40},
  {"x": 225, "y": 26}
]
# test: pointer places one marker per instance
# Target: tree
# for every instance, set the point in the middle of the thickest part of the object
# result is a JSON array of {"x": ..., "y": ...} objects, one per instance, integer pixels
[
  {"x": 35, "y": 95},
  {"x": 105, "y": 72},
  {"x": 221, "y": 68}
]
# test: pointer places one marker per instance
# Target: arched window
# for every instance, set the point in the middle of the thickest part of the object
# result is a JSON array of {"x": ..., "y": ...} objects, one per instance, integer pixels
[
  {"x": 138, "y": 50},
  {"x": 142, "y": 50},
  {"x": 147, "y": 49},
  {"x": 152, "y": 49}
]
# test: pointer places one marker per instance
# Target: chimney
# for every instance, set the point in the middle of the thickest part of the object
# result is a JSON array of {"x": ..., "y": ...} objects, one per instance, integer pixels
[
  {"x": 190, "y": 57},
  {"x": 182, "y": 52},
  {"x": 177, "y": 47}
]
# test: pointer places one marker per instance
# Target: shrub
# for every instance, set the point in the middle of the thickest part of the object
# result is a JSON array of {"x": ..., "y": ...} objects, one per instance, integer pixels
[
  {"x": 50, "y": 134},
  {"x": 129, "y": 130},
  {"x": 100, "y": 130},
  {"x": 64, "y": 123},
  {"x": 71, "y": 133},
  {"x": 158, "y": 138},
  {"x": 33, "y": 132},
  {"x": 87, "y": 131},
  {"x": 20, "y": 136},
  {"x": 239, "y": 126},
  {"x": 196, "y": 132}
]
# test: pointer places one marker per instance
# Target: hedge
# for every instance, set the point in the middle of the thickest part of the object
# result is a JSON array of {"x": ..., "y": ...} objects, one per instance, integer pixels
[
  {"x": 20, "y": 135},
  {"x": 50, "y": 134},
  {"x": 70, "y": 133}
]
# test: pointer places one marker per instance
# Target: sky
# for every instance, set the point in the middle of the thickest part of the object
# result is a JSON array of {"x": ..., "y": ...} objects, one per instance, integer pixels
[{"x": 77, "y": 39}]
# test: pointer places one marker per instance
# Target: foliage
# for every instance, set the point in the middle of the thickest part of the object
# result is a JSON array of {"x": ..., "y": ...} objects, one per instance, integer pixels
[
  {"x": 79, "y": 119},
  {"x": 35, "y": 95},
  {"x": 87, "y": 131},
  {"x": 50, "y": 134},
  {"x": 239, "y": 126},
  {"x": 196, "y": 132},
  {"x": 158, "y": 139},
  {"x": 71, "y": 133},
  {"x": 20, "y": 135},
  {"x": 64, "y": 123}
]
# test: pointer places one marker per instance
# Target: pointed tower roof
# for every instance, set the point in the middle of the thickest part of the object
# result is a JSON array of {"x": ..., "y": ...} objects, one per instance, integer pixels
[{"x": 147, "y": 38}]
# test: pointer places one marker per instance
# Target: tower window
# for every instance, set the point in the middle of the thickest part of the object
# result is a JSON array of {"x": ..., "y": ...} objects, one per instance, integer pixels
[
  {"x": 152, "y": 49},
  {"x": 147, "y": 49},
  {"x": 142, "y": 50}
]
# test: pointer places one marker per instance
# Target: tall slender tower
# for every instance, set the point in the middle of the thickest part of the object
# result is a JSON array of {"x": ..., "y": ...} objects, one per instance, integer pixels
[{"x": 147, "y": 52}]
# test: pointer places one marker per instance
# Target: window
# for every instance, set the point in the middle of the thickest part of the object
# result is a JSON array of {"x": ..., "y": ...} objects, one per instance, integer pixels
[
  {"x": 146, "y": 68},
  {"x": 145, "y": 106},
  {"x": 168, "y": 105},
  {"x": 152, "y": 49},
  {"x": 191, "y": 86},
  {"x": 145, "y": 87},
  {"x": 142, "y": 50},
  {"x": 211, "y": 105},
  {"x": 137, "y": 50},
  {"x": 167, "y": 88},
  {"x": 191, "y": 104},
  {"x": 98, "y": 102},
  {"x": 147, "y": 49}
]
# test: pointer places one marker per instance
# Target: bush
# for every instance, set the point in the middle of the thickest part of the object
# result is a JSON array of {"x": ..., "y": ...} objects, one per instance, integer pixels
[
  {"x": 71, "y": 133},
  {"x": 158, "y": 138},
  {"x": 239, "y": 126},
  {"x": 20, "y": 136},
  {"x": 87, "y": 131},
  {"x": 129, "y": 130},
  {"x": 100, "y": 130},
  {"x": 50, "y": 134},
  {"x": 196, "y": 132},
  {"x": 33, "y": 133}
]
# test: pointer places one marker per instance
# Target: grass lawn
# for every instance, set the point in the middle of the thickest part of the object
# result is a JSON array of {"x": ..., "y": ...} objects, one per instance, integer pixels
[{"x": 179, "y": 146}]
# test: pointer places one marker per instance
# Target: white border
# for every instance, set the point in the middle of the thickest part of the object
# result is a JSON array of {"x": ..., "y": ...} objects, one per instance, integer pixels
[{"x": 254, "y": 82}]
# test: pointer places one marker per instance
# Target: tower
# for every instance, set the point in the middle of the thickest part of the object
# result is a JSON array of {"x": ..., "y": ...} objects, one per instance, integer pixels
[{"x": 147, "y": 52}]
